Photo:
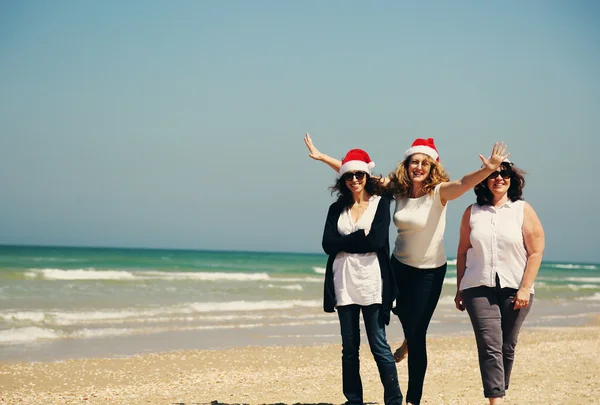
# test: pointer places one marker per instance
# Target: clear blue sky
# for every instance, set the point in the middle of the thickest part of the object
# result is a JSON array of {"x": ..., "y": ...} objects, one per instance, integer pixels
[{"x": 180, "y": 124}]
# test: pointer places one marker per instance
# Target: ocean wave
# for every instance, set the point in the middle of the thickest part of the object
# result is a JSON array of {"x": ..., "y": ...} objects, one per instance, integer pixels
[
  {"x": 595, "y": 297},
  {"x": 319, "y": 270},
  {"x": 26, "y": 335},
  {"x": 577, "y": 287},
  {"x": 293, "y": 287},
  {"x": 583, "y": 279},
  {"x": 79, "y": 274},
  {"x": 298, "y": 279},
  {"x": 58, "y": 259},
  {"x": 450, "y": 280},
  {"x": 120, "y": 275},
  {"x": 65, "y": 318},
  {"x": 108, "y": 332},
  {"x": 570, "y": 266},
  {"x": 252, "y": 305},
  {"x": 32, "y": 334}
]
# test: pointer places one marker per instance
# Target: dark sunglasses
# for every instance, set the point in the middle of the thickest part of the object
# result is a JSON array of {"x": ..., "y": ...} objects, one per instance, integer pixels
[
  {"x": 506, "y": 174},
  {"x": 349, "y": 175}
]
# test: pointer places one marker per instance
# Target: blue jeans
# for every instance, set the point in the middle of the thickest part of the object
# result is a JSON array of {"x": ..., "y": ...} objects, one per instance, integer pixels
[
  {"x": 418, "y": 294},
  {"x": 349, "y": 316}
]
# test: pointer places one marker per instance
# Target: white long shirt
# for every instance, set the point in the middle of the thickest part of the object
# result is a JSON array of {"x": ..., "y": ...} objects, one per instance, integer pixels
[
  {"x": 357, "y": 276},
  {"x": 497, "y": 246}
]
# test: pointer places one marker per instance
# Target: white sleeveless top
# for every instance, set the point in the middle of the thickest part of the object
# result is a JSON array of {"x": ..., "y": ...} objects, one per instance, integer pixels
[
  {"x": 357, "y": 276},
  {"x": 421, "y": 223},
  {"x": 497, "y": 246}
]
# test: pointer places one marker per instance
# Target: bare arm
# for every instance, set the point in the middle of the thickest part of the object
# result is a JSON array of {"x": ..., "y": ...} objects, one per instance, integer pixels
[
  {"x": 453, "y": 189},
  {"x": 314, "y": 153},
  {"x": 533, "y": 236},
  {"x": 334, "y": 163},
  {"x": 464, "y": 243}
]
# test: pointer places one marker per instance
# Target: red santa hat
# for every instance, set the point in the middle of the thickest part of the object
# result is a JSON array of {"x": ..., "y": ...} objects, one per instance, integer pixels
[
  {"x": 356, "y": 160},
  {"x": 425, "y": 146}
]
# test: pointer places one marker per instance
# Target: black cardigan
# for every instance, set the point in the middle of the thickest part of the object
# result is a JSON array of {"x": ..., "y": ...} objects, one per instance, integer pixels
[{"x": 376, "y": 241}]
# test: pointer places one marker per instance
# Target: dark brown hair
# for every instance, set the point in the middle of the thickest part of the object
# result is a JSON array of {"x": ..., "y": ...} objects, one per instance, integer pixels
[
  {"x": 373, "y": 186},
  {"x": 515, "y": 189}
]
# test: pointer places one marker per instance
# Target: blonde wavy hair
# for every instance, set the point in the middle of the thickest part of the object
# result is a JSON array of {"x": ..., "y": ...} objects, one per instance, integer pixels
[{"x": 401, "y": 184}]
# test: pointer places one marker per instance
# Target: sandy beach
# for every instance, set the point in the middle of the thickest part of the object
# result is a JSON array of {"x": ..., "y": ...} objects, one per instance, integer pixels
[{"x": 553, "y": 366}]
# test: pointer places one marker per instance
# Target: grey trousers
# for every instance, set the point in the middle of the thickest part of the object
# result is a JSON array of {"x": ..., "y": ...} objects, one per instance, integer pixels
[{"x": 496, "y": 325}]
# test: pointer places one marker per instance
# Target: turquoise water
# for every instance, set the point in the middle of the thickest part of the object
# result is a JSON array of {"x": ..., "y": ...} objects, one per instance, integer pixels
[{"x": 54, "y": 299}]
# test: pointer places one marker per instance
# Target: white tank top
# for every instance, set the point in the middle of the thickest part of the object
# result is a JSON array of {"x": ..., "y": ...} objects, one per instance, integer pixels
[
  {"x": 497, "y": 246},
  {"x": 421, "y": 223}
]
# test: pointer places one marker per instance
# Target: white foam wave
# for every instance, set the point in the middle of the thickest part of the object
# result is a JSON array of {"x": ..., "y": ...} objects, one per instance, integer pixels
[
  {"x": 64, "y": 318},
  {"x": 293, "y": 287},
  {"x": 450, "y": 280},
  {"x": 204, "y": 276},
  {"x": 96, "y": 333},
  {"x": 79, "y": 274},
  {"x": 25, "y": 335},
  {"x": 319, "y": 270},
  {"x": 584, "y": 279},
  {"x": 252, "y": 305},
  {"x": 121, "y": 275},
  {"x": 576, "y": 287},
  {"x": 299, "y": 280},
  {"x": 595, "y": 297},
  {"x": 452, "y": 262},
  {"x": 574, "y": 266},
  {"x": 23, "y": 316},
  {"x": 32, "y": 334}
]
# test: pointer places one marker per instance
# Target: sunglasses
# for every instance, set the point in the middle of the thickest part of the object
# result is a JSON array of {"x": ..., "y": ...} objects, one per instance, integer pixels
[
  {"x": 506, "y": 174},
  {"x": 359, "y": 176}
]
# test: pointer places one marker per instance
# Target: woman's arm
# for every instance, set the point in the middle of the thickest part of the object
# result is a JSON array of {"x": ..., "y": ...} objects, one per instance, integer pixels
[
  {"x": 533, "y": 236},
  {"x": 359, "y": 241},
  {"x": 464, "y": 244},
  {"x": 334, "y": 163},
  {"x": 333, "y": 242},
  {"x": 451, "y": 190},
  {"x": 316, "y": 155}
]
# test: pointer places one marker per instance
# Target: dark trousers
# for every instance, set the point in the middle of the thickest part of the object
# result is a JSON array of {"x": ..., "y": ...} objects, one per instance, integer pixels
[
  {"x": 418, "y": 294},
  {"x": 349, "y": 316},
  {"x": 496, "y": 325}
]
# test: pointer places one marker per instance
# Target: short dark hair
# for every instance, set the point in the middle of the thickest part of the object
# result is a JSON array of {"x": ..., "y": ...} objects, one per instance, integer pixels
[
  {"x": 373, "y": 186},
  {"x": 515, "y": 190}
]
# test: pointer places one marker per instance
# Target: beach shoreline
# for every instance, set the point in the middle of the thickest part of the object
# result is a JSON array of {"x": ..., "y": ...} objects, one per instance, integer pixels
[{"x": 553, "y": 365}]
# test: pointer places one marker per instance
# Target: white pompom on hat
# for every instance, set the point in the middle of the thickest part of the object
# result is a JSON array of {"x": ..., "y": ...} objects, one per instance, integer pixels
[
  {"x": 424, "y": 146},
  {"x": 356, "y": 160}
]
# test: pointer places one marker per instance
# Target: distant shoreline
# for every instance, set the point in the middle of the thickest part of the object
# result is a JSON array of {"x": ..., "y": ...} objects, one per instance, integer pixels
[{"x": 240, "y": 251}]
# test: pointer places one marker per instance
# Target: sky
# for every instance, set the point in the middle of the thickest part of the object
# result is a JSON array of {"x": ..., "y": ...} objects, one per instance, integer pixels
[{"x": 180, "y": 124}]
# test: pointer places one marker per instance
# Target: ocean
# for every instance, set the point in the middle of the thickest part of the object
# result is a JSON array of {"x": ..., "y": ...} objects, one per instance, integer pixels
[{"x": 58, "y": 303}]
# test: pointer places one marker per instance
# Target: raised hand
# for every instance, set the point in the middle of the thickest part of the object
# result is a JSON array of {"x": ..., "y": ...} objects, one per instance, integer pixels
[
  {"x": 313, "y": 152},
  {"x": 496, "y": 158}
]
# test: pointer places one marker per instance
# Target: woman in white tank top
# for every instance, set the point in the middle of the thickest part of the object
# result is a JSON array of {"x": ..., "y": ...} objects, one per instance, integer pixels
[{"x": 499, "y": 255}]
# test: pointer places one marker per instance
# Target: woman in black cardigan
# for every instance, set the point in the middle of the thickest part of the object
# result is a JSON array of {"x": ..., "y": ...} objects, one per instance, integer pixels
[{"x": 358, "y": 274}]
